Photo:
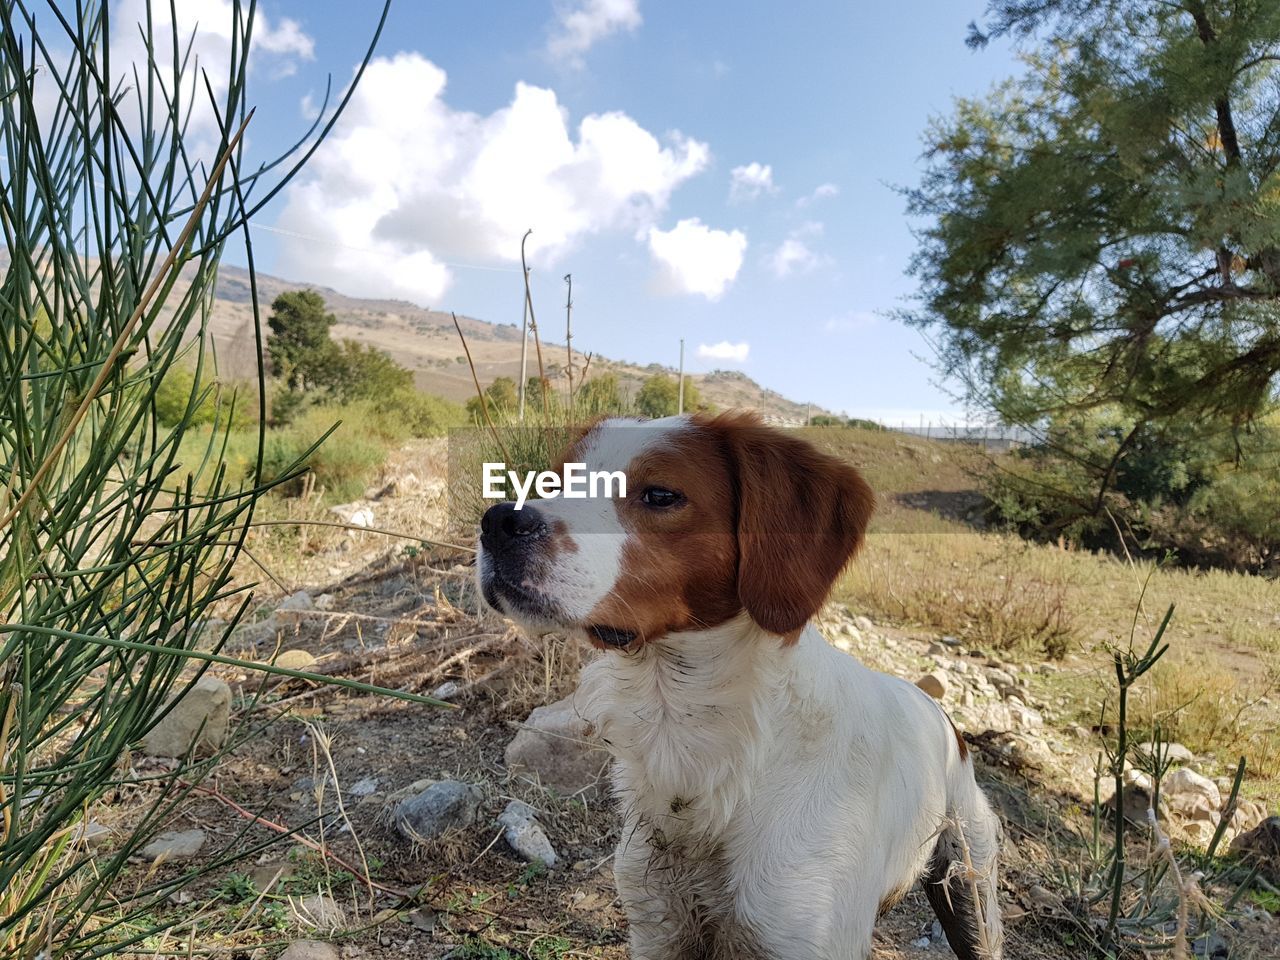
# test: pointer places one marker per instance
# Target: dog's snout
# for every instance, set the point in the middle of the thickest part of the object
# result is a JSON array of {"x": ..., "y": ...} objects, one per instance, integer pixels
[{"x": 504, "y": 526}]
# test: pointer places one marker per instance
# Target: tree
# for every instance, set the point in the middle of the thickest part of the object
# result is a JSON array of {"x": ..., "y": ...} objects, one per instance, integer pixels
[
  {"x": 1105, "y": 231},
  {"x": 360, "y": 372},
  {"x": 659, "y": 396},
  {"x": 301, "y": 353},
  {"x": 500, "y": 397},
  {"x": 600, "y": 394}
]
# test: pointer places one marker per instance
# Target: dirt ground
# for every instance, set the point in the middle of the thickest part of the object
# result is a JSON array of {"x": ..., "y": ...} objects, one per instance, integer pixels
[{"x": 330, "y": 764}]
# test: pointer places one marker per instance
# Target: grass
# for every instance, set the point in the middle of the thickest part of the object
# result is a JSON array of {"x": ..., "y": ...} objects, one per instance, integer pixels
[{"x": 1021, "y": 600}]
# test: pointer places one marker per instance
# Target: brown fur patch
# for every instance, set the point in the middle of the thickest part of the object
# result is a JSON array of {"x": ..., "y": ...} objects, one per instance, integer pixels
[
  {"x": 963, "y": 747},
  {"x": 767, "y": 523}
]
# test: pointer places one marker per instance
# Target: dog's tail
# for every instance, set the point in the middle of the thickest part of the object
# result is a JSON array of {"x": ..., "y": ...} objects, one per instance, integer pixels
[{"x": 962, "y": 877}]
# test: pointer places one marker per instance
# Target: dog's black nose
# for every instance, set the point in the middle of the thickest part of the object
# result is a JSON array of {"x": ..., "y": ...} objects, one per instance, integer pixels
[{"x": 503, "y": 526}]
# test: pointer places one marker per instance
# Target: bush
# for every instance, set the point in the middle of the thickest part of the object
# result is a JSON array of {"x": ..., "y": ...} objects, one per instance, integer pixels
[
  {"x": 659, "y": 396},
  {"x": 343, "y": 463},
  {"x": 179, "y": 399},
  {"x": 1198, "y": 490}
]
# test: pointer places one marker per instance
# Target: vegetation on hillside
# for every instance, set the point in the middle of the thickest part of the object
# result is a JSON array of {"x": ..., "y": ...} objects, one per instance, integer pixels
[{"x": 1101, "y": 260}]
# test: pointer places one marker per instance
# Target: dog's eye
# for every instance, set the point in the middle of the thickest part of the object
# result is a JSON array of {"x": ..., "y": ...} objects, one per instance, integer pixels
[{"x": 660, "y": 497}]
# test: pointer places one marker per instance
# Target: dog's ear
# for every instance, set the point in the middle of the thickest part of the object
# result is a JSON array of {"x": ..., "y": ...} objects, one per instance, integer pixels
[{"x": 802, "y": 515}]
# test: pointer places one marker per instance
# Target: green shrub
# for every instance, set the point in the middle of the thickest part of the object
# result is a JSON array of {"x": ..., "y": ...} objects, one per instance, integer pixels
[
  {"x": 1200, "y": 490},
  {"x": 178, "y": 399},
  {"x": 343, "y": 463}
]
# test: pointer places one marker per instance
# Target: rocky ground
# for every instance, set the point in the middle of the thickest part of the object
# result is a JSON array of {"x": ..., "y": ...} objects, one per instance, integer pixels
[{"x": 486, "y": 827}]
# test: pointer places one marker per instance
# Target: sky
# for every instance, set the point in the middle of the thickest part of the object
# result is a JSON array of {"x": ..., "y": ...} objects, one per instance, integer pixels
[{"x": 720, "y": 172}]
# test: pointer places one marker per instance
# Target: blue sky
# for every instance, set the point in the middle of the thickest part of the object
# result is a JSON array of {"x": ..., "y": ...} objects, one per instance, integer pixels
[{"x": 721, "y": 172}]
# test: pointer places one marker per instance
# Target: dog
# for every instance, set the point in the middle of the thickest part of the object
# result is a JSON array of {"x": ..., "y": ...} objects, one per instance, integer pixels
[{"x": 777, "y": 795}]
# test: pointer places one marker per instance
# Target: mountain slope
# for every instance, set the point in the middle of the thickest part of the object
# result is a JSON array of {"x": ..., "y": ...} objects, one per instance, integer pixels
[{"x": 425, "y": 341}]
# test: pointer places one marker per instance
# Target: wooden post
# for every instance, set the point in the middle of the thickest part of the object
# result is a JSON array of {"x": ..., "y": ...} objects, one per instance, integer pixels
[{"x": 680, "y": 393}]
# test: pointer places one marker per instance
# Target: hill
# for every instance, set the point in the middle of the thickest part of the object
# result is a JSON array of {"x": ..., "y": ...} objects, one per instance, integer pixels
[{"x": 425, "y": 341}]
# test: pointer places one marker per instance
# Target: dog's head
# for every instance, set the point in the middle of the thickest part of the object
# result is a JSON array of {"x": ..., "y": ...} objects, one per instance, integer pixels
[{"x": 721, "y": 514}]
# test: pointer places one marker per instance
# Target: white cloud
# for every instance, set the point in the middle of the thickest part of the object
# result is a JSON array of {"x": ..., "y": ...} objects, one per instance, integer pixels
[
  {"x": 822, "y": 191},
  {"x": 213, "y": 25},
  {"x": 406, "y": 183},
  {"x": 693, "y": 258},
  {"x": 579, "y": 25},
  {"x": 750, "y": 181},
  {"x": 794, "y": 254},
  {"x": 724, "y": 351}
]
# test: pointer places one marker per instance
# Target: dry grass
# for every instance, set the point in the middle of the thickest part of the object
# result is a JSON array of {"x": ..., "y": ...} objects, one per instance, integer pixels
[{"x": 924, "y": 568}]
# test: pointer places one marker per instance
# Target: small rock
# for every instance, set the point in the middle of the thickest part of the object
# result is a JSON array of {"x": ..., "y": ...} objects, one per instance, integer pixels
[
  {"x": 173, "y": 845},
  {"x": 864, "y": 624},
  {"x": 295, "y": 660},
  {"x": 525, "y": 835},
  {"x": 93, "y": 834},
  {"x": 325, "y": 601},
  {"x": 1000, "y": 678},
  {"x": 364, "y": 787},
  {"x": 357, "y": 514},
  {"x": 1043, "y": 900},
  {"x": 921, "y": 944},
  {"x": 1262, "y": 843},
  {"x": 320, "y": 911},
  {"x": 950, "y": 641},
  {"x": 301, "y": 600},
  {"x": 200, "y": 718},
  {"x": 938, "y": 650},
  {"x": 554, "y": 748},
  {"x": 935, "y": 684},
  {"x": 309, "y": 950},
  {"x": 1174, "y": 752},
  {"x": 1186, "y": 791},
  {"x": 445, "y": 805}
]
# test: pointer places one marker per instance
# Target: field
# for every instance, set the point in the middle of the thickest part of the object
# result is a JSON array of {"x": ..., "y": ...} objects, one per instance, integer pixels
[{"x": 329, "y": 767}]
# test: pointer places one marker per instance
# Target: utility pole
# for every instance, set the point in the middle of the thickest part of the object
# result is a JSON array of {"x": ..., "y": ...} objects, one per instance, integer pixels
[
  {"x": 524, "y": 347},
  {"x": 808, "y": 412},
  {"x": 680, "y": 394},
  {"x": 568, "y": 334}
]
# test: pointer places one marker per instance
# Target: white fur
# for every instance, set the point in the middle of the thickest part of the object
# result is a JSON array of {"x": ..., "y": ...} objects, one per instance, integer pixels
[
  {"x": 806, "y": 790},
  {"x": 584, "y": 572}
]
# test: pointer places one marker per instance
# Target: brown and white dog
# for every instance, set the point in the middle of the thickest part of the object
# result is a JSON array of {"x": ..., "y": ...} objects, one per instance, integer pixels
[{"x": 777, "y": 795}]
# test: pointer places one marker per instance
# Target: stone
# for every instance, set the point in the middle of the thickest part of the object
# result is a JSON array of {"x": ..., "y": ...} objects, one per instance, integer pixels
[
  {"x": 1249, "y": 813},
  {"x": 173, "y": 845},
  {"x": 199, "y": 718},
  {"x": 1138, "y": 788},
  {"x": 295, "y": 660},
  {"x": 364, "y": 787},
  {"x": 1262, "y": 843},
  {"x": 1186, "y": 792},
  {"x": 524, "y": 834},
  {"x": 1172, "y": 752},
  {"x": 554, "y": 748},
  {"x": 325, "y": 601},
  {"x": 356, "y": 513},
  {"x": 320, "y": 911},
  {"x": 93, "y": 834},
  {"x": 937, "y": 649},
  {"x": 935, "y": 684},
  {"x": 309, "y": 950},
  {"x": 300, "y": 600},
  {"x": 1001, "y": 678},
  {"x": 443, "y": 806},
  {"x": 950, "y": 641},
  {"x": 864, "y": 624}
]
